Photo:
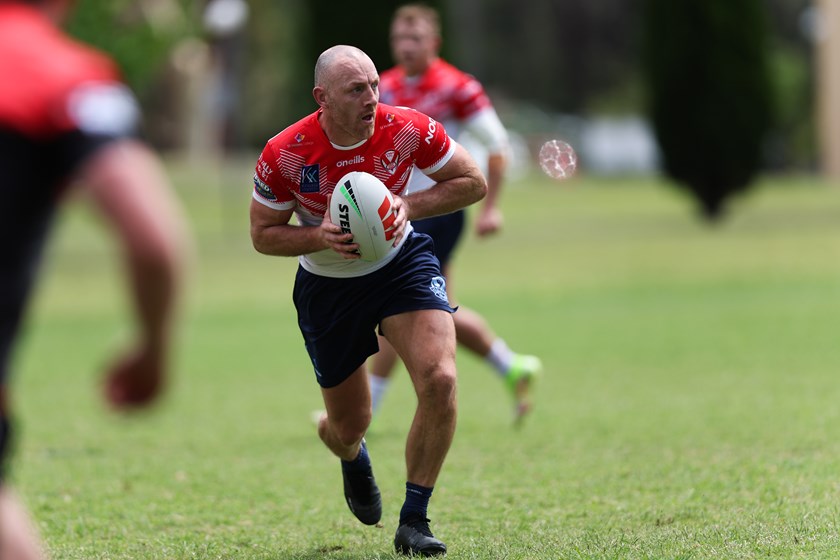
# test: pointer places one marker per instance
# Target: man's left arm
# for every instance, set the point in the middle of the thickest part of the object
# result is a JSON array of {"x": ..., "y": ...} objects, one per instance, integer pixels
[
  {"x": 488, "y": 129},
  {"x": 459, "y": 184}
]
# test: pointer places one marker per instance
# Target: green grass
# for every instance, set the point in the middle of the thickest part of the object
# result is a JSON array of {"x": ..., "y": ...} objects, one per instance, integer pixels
[{"x": 690, "y": 407}]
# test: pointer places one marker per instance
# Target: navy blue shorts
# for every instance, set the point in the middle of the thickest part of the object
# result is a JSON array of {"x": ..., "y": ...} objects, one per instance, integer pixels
[
  {"x": 338, "y": 316},
  {"x": 445, "y": 231}
]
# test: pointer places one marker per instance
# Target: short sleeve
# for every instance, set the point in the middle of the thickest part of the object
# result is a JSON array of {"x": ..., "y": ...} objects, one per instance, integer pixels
[
  {"x": 103, "y": 109},
  {"x": 268, "y": 184},
  {"x": 436, "y": 147}
]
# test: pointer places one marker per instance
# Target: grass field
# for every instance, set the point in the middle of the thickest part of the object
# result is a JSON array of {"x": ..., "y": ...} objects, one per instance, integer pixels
[{"x": 690, "y": 406}]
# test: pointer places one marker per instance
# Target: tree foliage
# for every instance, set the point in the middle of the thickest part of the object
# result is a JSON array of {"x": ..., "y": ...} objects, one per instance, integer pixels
[
  {"x": 710, "y": 93},
  {"x": 138, "y": 40}
]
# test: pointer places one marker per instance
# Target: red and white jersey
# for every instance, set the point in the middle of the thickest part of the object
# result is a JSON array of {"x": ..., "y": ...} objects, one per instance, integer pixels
[
  {"x": 51, "y": 84},
  {"x": 453, "y": 98},
  {"x": 300, "y": 167},
  {"x": 443, "y": 92}
]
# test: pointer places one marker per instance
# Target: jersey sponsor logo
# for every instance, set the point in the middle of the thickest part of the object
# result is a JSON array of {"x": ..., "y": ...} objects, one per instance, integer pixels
[
  {"x": 389, "y": 117},
  {"x": 263, "y": 189},
  {"x": 354, "y": 161},
  {"x": 310, "y": 178},
  {"x": 390, "y": 160},
  {"x": 438, "y": 287},
  {"x": 431, "y": 131},
  {"x": 265, "y": 169},
  {"x": 299, "y": 137}
]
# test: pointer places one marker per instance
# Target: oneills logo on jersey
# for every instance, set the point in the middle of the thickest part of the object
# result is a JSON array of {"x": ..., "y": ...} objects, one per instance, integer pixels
[
  {"x": 389, "y": 160},
  {"x": 354, "y": 161}
]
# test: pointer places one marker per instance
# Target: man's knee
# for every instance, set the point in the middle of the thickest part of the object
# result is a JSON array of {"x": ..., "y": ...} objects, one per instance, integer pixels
[{"x": 438, "y": 384}]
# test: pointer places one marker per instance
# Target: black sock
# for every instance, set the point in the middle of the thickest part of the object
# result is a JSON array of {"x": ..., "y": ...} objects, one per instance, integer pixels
[
  {"x": 360, "y": 464},
  {"x": 416, "y": 501}
]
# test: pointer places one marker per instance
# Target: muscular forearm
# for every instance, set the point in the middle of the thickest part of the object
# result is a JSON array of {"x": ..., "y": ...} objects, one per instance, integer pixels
[
  {"x": 447, "y": 196},
  {"x": 128, "y": 185},
  {"x": 287, "y": 240},
  {"x": 154, "y": 287}
]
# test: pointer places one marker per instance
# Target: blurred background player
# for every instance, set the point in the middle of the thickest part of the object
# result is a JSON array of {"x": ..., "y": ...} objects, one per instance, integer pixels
[
  {"x": 66, "y": 118},
  {"x": 423, "y": 81}
]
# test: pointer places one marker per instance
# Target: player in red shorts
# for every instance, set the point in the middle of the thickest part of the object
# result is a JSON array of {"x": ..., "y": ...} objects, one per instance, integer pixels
[
  {"x": 341, "y": 300},
  {"x": 66, "y": 121},
  {"x": 424, "y": 81}
]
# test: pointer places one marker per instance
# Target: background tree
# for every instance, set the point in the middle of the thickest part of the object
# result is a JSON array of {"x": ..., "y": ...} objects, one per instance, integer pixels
[{"x": 710, "y": 93}]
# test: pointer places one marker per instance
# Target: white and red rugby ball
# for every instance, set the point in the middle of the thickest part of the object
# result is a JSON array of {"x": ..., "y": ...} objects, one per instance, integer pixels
[{"x": 362, "y": 205}]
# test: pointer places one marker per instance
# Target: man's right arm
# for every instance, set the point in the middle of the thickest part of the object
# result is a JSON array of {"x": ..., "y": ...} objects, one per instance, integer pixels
[{"x": 272, "y": 234}]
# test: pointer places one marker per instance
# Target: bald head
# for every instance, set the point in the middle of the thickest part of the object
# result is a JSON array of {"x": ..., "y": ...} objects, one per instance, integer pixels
[
  {"x": 347, "y": 92},
  {"x": 335, "y": 57}
]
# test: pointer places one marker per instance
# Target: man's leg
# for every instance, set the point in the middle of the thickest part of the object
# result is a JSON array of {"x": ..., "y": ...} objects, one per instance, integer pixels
[
  {"x": 516, "y": 370},
  {"x": 342, "y": 429},
  {"x": 348, "y": 415},
  {"x": 19, "y": 539},
  {"x": 425, "y": 340},
  {"x": 382, "y": 366}
]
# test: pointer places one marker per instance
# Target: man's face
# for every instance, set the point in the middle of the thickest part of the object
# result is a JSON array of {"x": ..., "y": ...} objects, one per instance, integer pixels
[
  {"x": 414, "y": 45},
  {"x": 351, "y": 101}
]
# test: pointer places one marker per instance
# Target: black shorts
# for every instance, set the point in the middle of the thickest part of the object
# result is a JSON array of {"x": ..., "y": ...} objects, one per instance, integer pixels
[
  {"x": 338, "y": 316},
  {"x": 445, "y": 231}
]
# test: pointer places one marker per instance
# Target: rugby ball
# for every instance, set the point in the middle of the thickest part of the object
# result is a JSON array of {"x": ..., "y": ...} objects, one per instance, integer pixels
[{"x": 362, "y": 205}]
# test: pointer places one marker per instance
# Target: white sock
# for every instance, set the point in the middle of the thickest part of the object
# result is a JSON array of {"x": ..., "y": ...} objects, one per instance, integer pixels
[
  {"x": 500, "y": 357},
  {"x": 378, "y": 387}
]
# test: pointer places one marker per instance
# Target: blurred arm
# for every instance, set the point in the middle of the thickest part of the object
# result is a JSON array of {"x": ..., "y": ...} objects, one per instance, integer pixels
[
  {"x": 489, "y": 130},
  {"x": 129, "y": 188}
]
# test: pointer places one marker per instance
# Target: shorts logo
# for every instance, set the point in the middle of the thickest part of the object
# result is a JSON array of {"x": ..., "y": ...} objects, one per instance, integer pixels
[
  {"x": 438, "y": 287},
  {"x": 310, "y": 181},
  {"x": 389, "y": 160}
]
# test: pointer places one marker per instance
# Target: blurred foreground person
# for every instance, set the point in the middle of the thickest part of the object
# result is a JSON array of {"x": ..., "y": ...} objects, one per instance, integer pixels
[
  {"x": 67, "y": 120},
  {"x": 341, "y": 300},
  {"x": 423, "y": 81}
]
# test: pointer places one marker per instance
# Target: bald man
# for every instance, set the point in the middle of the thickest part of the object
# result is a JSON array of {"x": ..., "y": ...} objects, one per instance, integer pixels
[{"x": 342, "y": 300}]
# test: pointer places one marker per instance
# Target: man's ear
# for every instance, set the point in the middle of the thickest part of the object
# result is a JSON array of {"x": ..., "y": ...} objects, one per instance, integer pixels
[{"x": 320, "y": 96}]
